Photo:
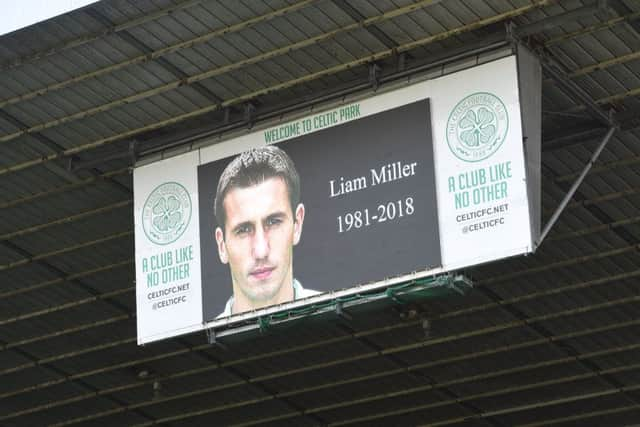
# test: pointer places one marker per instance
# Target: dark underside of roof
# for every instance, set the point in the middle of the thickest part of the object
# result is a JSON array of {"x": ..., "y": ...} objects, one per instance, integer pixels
[{"x": 547, "y": 339}]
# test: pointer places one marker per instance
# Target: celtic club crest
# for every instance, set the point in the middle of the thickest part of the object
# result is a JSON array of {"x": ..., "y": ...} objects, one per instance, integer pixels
[
  {"x": 166, "y": 213},
  {"x": 477, "y": 127}
]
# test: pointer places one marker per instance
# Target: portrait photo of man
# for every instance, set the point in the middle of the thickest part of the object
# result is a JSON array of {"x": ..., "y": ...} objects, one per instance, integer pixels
[
  {"x": 260, "y": 219},
  {"x": 318, "y": 213}
]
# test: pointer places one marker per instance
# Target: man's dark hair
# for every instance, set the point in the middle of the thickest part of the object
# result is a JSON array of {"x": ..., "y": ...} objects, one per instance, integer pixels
[{"x": 252, "y": 168}]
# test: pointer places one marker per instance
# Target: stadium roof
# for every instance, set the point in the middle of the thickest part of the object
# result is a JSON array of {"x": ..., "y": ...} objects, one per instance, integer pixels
[{"x": 551, "y": 338}]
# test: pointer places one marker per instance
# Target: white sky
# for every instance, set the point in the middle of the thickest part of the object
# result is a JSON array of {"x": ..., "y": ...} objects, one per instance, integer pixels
[{"x": 16, "y": 14}]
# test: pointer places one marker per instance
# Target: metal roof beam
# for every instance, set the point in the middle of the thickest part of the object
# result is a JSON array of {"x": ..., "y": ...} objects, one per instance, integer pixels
[
  {"x": 558, "y": 264},
  {"x": 595, "y": 229},
  {"x": 355, "y": 14},
  {"x": 623, "y": 10},
  {"x": 609, "y": 381},
  {"x": 264, "y": 388},
  {"x": 361, "y": 378},
  {"x": 285, "y": 85},
  {"x": 61, "y": 275},
  {"x": 111, "y": 29},
  {"x": 583, "y": 416},
  {"x": 580, "y": 135},
  {"x": 66, "y": 249},
  {"x": 572, "y": 191},
  {"x": 604, "y": 167},
  {"x": 503, "y": 391},
  {"x": 49, "y": 143},
  {"x": 65, "y": 220},
  {"x": 562, "y": 78},
  {"x": 63, "y": 188},
  {"x": 433, "y": 341},
  {"x": 592, "y": 208},
  {"x": 127, "y": 37},
  {"x": 110, "y": 368},
  {"x": 91, "y": 291},
  {"x": 66, "y": 331},
  {"x": 400, "y": 366},
  {"x": 492, "y": 43},
  {"x": 604, "y": 198},
  {"x": 618, "y": 97},
  {"x": 563, "y": 18},
  {"x": 430, "y": 364},
  {"x": 418, "y": 389},
  {"x": 632, "y": 56},
  {"x": 563, "y": 400},
  {"x": 51, "y": 359},
  {"x": 592, "y": 28},
  {"x": 159, "y": 53},
  {"x": 555, "y": 70},
  {"x": 40, "y": 285},
  {"x": 65, "y": 173},
  {"x": 564, "y": 348},
  {"x": 589, "y": 132},
  {"x": 82, "y": 384},
  {"x": 196, "y": 78}
]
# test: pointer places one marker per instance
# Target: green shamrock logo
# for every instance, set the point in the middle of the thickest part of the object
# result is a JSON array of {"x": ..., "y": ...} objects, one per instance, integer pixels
[
  {"x": 166, "y": 214},
  {"x": 477, "y": 129}
]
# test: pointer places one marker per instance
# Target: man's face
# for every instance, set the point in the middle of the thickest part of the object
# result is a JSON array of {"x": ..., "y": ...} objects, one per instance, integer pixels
[{"x": 258, "y": 240}]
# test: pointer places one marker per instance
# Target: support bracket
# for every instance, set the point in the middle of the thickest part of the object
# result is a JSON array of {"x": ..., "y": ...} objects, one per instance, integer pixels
[
  {"x": 133, "y": 151},
  {"x": 402, "y": 61},
  {"x": 249, "y": 114},
  {"x": 211, "y": 335},
  {"x": 226, "y": 115},
  {"x": 374, "y": 75},
  {"x": 212, "y": 338},
  {"x": 340, "y": 311},
  {"x": 560, "y": 19},
  {"x": 263, "y": 323},
  {"x": 575, "y": 185}
]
